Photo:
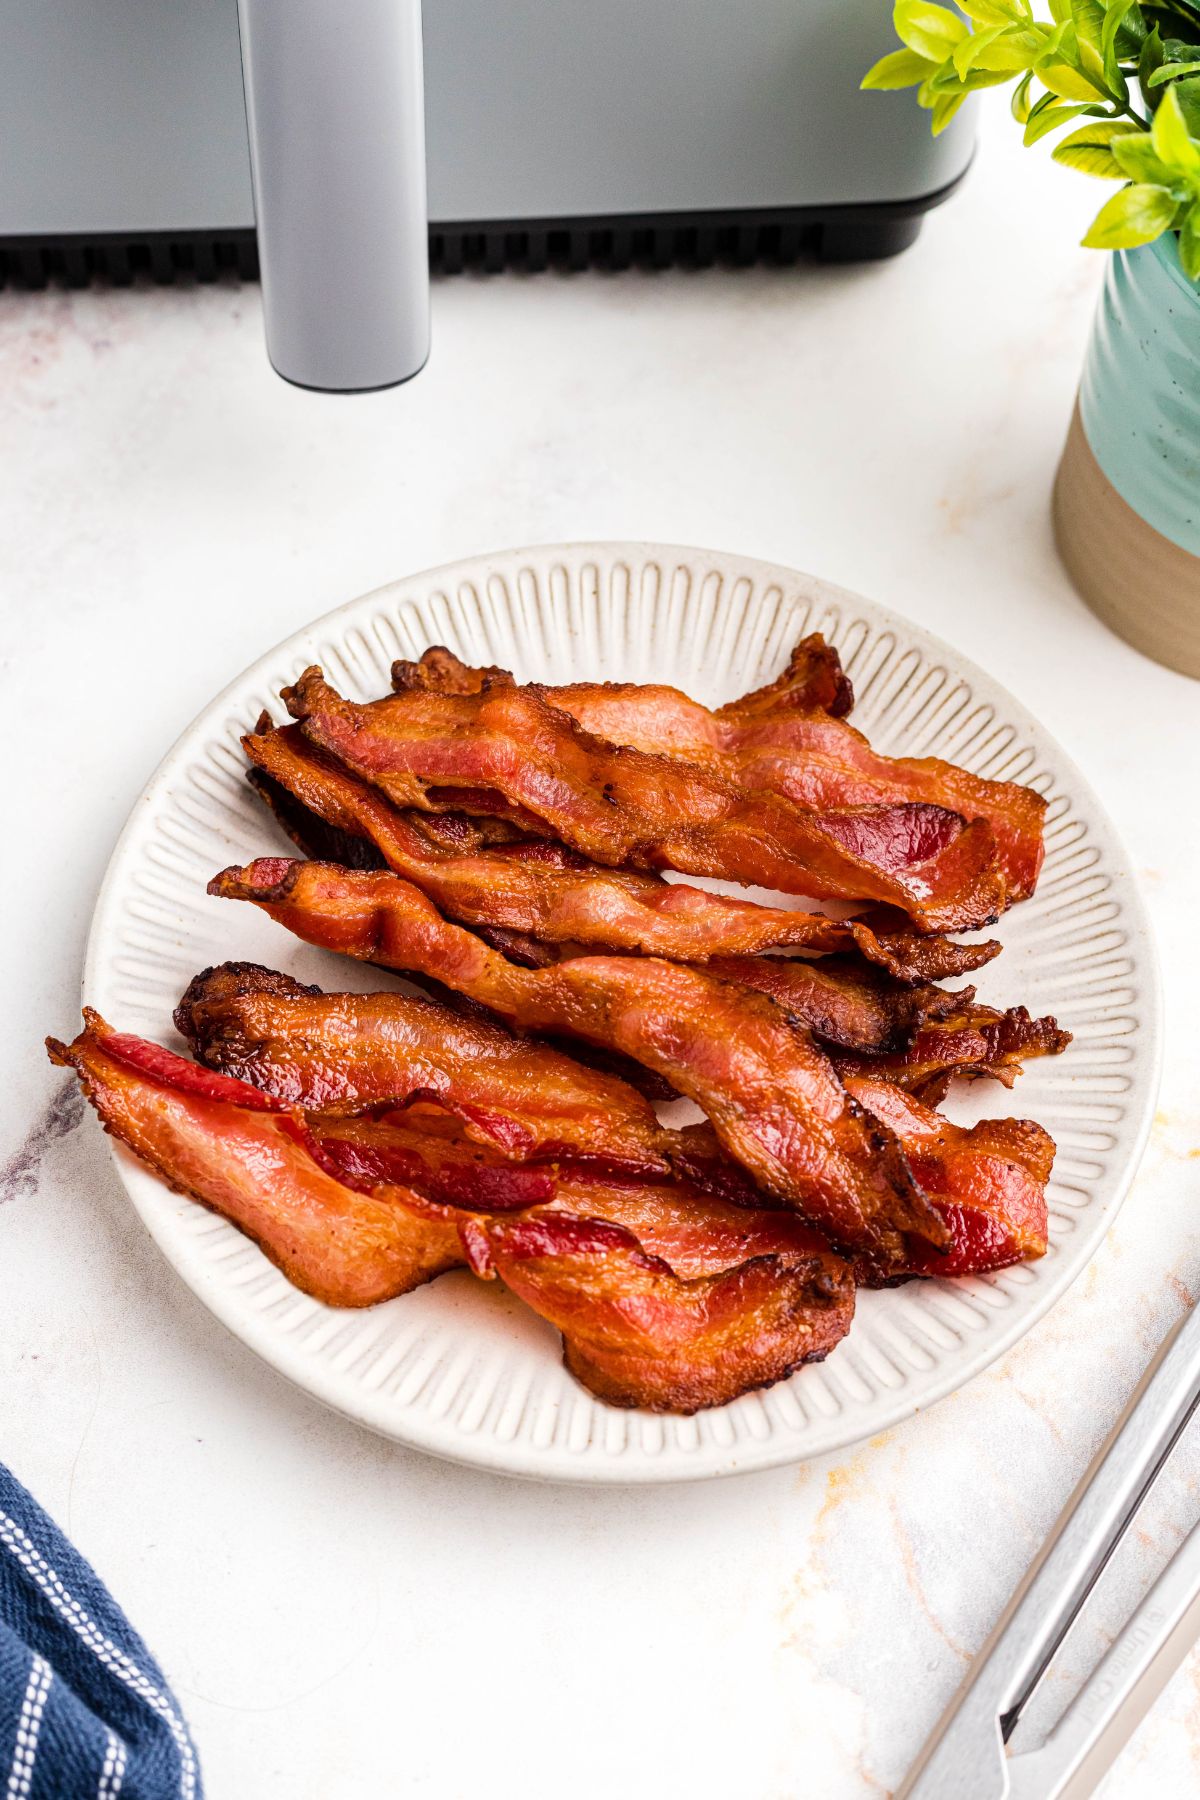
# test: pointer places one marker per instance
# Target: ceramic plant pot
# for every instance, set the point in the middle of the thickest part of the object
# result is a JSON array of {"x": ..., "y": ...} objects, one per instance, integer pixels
[{"x": 1127, "y": 495}]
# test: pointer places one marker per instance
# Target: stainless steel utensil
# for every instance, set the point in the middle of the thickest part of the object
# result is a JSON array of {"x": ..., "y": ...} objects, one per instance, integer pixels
[{"x": 967, "y": 1755}]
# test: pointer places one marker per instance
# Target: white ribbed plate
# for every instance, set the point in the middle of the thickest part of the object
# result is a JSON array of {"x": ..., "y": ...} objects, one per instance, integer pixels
[{"x": 462, "y": 1369}]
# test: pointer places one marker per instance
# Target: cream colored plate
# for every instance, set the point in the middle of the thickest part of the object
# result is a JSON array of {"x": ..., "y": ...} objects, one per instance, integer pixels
[{"x": 462, "y": 1369}]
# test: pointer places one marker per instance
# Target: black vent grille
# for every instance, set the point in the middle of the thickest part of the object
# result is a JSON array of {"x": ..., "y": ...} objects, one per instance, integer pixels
[
  {"x": 655, "y": 241},
  {"x": 35, "y": 262},
  {"x": 532, "y": 248}
]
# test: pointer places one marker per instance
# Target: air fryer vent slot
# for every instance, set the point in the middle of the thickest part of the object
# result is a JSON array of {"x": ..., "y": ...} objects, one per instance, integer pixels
[
  {"x": 656, "y": 241},
  {"x": 121, "y": 259}
]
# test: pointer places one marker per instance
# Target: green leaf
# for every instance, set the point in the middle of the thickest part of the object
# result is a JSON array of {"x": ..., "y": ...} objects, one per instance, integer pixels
[
  {"x": 1136, "y": 155},
  {"x": 1188, "y": 95},
  {"x": 1169, "y": 134},
  {"x": 944, "y": 80},
  {"x": 995, "y": 12},
  {"x": 1044, "y": 119},
  {"x": 1189, "y": 242},
  {"x": 1003, "y": 48},
  {"x": 931, "y": 31},
  {"x": 1150, "y": 57},
  {"x": 1018, "y": 47},
  {"x": 1019, "y": 105},
  {"x": 1061, "y": 67},
  {"x": 1181, "y": 50},
  {"x": 1053, "y": 43},
  {"x": 1169, "y": 72},
  {"x": 1088, "y": 17},
  {"x": 944, "y": 110},
  {"x": 1088, "y": 149},
  {"x": 1137, "y": 215},
  {"x": 1104, "y": 131},
  {"x": 1124, "y": 30},
  {"x": 1060, "y": 10},
  {"x": 1068, "y": 83},
  {"x": 966, "y": 52},
  {"x": 986, "y": 78},
  {"x": 903, "y": 68}
]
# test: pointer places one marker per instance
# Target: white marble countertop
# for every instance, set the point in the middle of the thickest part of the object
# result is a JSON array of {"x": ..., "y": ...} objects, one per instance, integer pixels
[{"x": 343, "y": 1618}]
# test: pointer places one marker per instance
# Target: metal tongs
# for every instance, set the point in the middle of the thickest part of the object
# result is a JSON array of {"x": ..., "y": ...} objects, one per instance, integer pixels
[{"x": 967, "y": 1755}]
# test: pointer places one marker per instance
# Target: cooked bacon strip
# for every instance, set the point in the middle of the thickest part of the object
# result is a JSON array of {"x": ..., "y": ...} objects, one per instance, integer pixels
[
  {"x": 424, "y": 1147},
  {"x": 886, "y": 937},
  {"x": 691, "y": 1229},
  {"x": 463, "y": 834},
  {"x": 988, "y": 1183},
  {"x": 439, "y": 671},
  {"x": 625, "y": 807},
  {"x": 920, "y": 1037},
  {"x": 844, "y": 1001},
  {"x": 978, "y": 1043},
  {"x": 816, "y": 761},
  {"x": 524, "y": 897},
  {"x": 814, "y": 680},
  {"x": 635, "y": 1334},
  {"x": 225, "y": 1144},
  {"x": 811, "y": 757},
  {"x": 770, "y": 1093},
  {"x": 336, "y": 1053},
  {"x": 544, "y": 890},
  {"x": 695, "y": 1232}
]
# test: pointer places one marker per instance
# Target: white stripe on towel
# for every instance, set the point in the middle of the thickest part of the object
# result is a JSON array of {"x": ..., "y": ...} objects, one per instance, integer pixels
[
  {"x": 20, "y": 1776},
  {"x": 102, "y": 1647},
  {"x": 113, "y": 1772}
]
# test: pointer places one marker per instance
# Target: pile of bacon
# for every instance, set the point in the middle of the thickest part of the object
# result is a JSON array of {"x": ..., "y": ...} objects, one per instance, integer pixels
[{"x": 501, "y": 845}]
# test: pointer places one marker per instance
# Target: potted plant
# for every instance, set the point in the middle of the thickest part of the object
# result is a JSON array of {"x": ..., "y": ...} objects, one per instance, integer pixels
[{"x": 1124, "y": 78}]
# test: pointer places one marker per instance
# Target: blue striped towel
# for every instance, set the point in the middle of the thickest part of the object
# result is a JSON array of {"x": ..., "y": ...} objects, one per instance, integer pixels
[{"x": 85, "y": 1713}]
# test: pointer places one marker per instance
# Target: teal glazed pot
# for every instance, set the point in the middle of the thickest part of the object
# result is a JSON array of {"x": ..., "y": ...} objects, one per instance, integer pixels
[{"x": 1127, "y": 494}]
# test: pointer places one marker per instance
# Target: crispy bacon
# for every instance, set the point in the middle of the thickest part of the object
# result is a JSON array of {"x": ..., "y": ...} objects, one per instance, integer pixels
[
  {"x": 636, "y": 1334},
  {"x": 920, "y": 1037},
  {"x": 544, "y": 890},
  {"x": 813, "y": 680},
  {"x": 526, "y": 897},
  {"x": 968, "y": 1046},
  {"x": 337, "y": 1053},
  {"x": 622, "y": 806},
  {"x": 886, "y": 937},
  {"x": 224, "y": 1144},
  {"x": 844, "y": 1001},
  {"x": 987, "y": 1181},
  {"x": 815, "y": 760},
  {"x": 770, "y": 1093},
  {"x": 806, "y": 754},
  {"x": 424, "y": 1147},
  {"x": 690, "y": 1226},
  {"x": 439, "y": 671}
]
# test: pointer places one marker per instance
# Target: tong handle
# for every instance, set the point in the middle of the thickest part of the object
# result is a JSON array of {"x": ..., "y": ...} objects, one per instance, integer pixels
[
  {"x": 1121, "y": 1689},
  {"x": 966, "y": 1753}
]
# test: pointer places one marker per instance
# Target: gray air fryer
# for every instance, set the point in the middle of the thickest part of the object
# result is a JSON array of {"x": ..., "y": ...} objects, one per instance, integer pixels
[{"x": 550, "y": 131}]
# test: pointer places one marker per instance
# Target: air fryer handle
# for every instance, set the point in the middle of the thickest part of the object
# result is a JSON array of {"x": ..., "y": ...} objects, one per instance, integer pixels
[{"x": 335, "y": 106}]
